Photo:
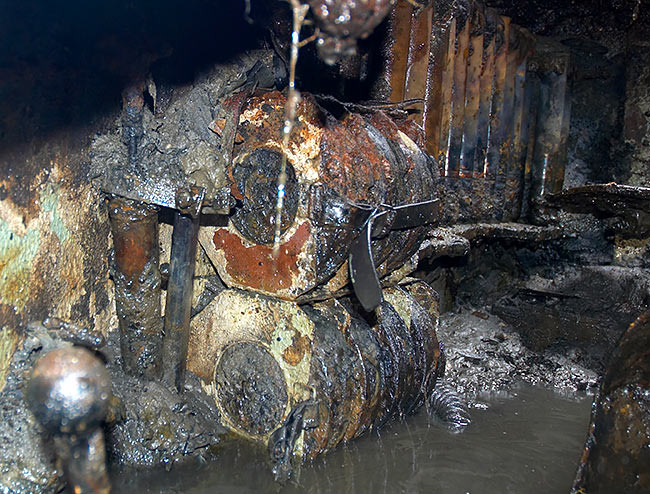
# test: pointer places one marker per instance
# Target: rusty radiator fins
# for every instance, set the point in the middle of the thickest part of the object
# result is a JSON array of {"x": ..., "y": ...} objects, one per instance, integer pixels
[
  {"x": 457, "y": 117},
  {"x": 418, "y": 58},
  {"x": 497, "y": 114},
  {"x": 395, "y": 51},
  {"x": 446, "y": 87},
  {"x": 532, "y": 101},
  {"x": 485, "y": 100},
  {"x": 472, "y": 93},
  {"x": 501, "y": 127},
  {"x": 514, "y": 180},
  {"x": 439, "y": 78}
]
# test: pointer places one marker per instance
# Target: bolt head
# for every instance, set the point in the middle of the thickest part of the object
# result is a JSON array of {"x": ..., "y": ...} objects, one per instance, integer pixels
[{"x": 69, "y": 391}]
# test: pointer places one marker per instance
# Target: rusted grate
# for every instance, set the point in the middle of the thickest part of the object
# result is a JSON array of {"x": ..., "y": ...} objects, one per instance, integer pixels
[{"x": 494, "y": 107}]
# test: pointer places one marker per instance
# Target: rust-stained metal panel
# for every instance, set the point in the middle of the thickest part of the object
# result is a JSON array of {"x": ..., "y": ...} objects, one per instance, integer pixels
[
  {"x": 395, "y": 51},
  {"x": 497, "y": 114},
  {"x": 418, "y": 58},
  {"x": 458, "y": 102},
  {"x": 442, "y": 30},
  {"x": 446, "y": 95},
  {"x": 472, "y": 94},
  {"x": 485, "y": 99}
]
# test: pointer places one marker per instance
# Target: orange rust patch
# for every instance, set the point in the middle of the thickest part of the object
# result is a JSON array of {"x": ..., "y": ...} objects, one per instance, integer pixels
[
  {"x": 294, "y": 353},
  {"x": 351, "y": 163},
  {"x": 255, "y": 267}
]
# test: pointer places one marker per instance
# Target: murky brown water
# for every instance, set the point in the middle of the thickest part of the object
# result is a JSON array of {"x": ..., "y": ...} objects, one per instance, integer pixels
[{"x": 529, "y": 442}]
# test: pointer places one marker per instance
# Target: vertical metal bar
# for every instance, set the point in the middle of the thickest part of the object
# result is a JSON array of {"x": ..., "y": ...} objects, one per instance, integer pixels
[
  {"x": 179, "y": 298},
  {"x": 514, "y": 178},
  {"x": 84, "y": 460},
  {"x": 503, "y": 132},
  {"x": 552, "y": 60},
  {"x": 458, "y": 99},
  {"x": 445, "y": 96},
  {"x": 137, "y": 285},
  {"x": 396, "y": 48},
  {"x": 485, "y": 103},
  {"x": 532, "y": 91},
  {"x": 472, "y": 94},
  {"x": 418, "y": 57},
  {"x": 442, "y": 32}
]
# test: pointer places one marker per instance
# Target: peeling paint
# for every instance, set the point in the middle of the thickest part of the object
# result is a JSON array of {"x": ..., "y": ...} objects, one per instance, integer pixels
[{"x": 16, "y": 258}]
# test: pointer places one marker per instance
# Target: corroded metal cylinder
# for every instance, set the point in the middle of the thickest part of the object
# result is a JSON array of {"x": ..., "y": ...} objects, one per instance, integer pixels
[
  {"x": 338, "y": 173},
  {"x": 616, "y": 457},
  {"x": 266, "y": 361},
  {"x": 136, "y": 274}
]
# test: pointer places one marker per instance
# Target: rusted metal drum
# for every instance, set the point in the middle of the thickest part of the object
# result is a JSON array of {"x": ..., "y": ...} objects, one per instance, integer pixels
[
  {"x": 253, "y": 353},
  {"x": 262, "y": 359},
  {"x": 616, "y": 457},
  {"x": 338, "y": 172}
]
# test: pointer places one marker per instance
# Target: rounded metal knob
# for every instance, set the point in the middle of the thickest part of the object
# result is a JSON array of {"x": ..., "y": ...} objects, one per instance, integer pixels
[{"x": 69, "y": 391}]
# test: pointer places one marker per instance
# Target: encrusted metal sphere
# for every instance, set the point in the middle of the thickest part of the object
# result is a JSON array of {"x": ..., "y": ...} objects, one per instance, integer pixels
[{"x": 69, "y": 391}]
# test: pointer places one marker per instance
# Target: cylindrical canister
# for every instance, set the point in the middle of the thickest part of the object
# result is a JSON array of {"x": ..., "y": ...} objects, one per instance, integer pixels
[
  {"x": 261, "y": 357},
  {"x": 338, "y": 172}
]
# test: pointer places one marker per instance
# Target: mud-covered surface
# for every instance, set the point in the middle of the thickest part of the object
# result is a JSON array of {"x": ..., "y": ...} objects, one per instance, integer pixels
[
  {"x": 547, "y": 312},
  {"x": 147, "y": 424},
  {"x": 28, "y": 462},
  {"x": 485, "y": 354},
  {"x": 154, "y": 425}
]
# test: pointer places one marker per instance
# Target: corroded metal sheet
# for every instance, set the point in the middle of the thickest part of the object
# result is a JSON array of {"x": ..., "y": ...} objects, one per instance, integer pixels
[
  {"x": 418, "y": 58},
  {"x": 472, "y": 94},
  {"x": 552, "y": 62},
  {"x": 396, "y": 45}
]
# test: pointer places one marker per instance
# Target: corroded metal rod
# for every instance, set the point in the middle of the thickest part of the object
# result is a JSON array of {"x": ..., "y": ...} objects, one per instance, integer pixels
[
  {"x": 179, "y": 298},
  {"x": 136, "y": 275}
]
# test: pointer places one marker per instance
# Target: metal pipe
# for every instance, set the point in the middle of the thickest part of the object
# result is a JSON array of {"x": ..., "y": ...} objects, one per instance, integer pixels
[
  {"x": 136, "y": 275},
  {"x": 179, "y": 298}
]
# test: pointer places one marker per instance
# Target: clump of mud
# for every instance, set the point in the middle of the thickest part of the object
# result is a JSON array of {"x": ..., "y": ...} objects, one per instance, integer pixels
[
  {"x": 487, "y": 355},
  {"x": 152, "y": 424}
]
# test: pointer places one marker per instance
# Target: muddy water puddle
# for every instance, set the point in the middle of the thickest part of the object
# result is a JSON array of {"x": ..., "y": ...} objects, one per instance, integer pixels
[{"x": 527, "y": 441}]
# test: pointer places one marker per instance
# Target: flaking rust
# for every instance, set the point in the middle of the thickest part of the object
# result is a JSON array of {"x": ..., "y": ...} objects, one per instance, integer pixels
[
  {"x": 338, "y": 172},
  {"x": 616, "y": 452}
]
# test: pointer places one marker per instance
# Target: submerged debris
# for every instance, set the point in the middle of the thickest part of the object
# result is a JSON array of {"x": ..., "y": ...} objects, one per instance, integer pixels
[{"x": 446, "y": 405}]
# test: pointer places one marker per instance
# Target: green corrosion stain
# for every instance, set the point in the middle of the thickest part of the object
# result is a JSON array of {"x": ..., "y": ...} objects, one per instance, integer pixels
[
  {"x": 16, "y": 258},
  {"x": 17, "y": 252},
  {"x": 49, "y": 203}
]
